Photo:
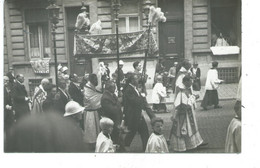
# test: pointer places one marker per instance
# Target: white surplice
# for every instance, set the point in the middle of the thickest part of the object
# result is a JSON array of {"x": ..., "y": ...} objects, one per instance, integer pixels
[{"x": 156, "y": 144}]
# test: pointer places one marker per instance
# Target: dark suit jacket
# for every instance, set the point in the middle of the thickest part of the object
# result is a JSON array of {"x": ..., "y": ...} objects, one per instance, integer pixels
[
  {"x": 133, "y": 104},
  {"x": 111, "y": 107},
  {"x": 21, "y": 106},
  {"x": 8, "y": 114},
  {"x": 62, "y": 101},
  {"x": 75, "y": 93},
  {"x": 197, "y": 72}
]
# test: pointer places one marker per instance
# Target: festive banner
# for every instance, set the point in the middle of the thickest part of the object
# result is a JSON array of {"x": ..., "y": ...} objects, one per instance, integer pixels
[
  {"x": 106, "y": 44},
  {"x": 41, "y": 66}
]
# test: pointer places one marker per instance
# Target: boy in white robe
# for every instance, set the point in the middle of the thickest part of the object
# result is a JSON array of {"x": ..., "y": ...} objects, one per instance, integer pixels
[
  {"x": 156, "y": 142},
  {"x": 158, "y": 96},
  {"x": 104, "y": 143}
]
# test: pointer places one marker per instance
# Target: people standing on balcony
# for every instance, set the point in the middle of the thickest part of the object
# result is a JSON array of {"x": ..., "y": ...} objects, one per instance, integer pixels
[
  {"x": 20, "y": 98},
  {"x": 195, "y": 73},
  {"x": 92, "y": 104},
  {"x": 75, "y": 90},
  {"x": 82, "y": 23},
  {"x": 221, "y": 41},
  {"x": 39, "y": 96},
  {"x": 211, "y": 86}
]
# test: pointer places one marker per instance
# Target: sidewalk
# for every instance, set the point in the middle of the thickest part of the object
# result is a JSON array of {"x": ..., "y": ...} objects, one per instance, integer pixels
[{"x": 225, "y": 92}]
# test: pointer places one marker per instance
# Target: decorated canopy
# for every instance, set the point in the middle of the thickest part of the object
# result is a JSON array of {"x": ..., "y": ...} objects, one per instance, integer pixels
[{"x": 105, "y": 44}]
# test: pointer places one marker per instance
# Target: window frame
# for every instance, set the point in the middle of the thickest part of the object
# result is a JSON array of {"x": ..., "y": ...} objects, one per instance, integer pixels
[{"x": 126, "y": 17}]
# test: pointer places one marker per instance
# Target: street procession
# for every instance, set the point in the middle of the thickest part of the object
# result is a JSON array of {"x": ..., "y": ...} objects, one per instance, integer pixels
[{"x": 122, "y": 76}]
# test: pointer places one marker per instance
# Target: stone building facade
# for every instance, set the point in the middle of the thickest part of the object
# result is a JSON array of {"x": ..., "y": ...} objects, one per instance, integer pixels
[{"x": 188, "y": 33}]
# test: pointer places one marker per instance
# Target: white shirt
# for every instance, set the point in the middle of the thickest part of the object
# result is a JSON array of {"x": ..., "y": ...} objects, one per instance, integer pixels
[
  {"x": 212, "y": 82},
  {"x": 104, "y": 144}
]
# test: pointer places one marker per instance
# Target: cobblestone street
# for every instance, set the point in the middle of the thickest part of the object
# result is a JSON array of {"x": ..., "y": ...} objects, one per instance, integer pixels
[{"x": 212, "y": 125}]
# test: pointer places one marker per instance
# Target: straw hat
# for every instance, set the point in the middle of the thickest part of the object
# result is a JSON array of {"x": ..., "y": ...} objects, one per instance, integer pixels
[{"x": 72, "y": 107}]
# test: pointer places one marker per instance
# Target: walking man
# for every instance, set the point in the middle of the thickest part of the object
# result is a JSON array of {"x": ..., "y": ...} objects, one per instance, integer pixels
[
  {"x": 212, "y": 84},
  {"x": 20, "y": 98}
]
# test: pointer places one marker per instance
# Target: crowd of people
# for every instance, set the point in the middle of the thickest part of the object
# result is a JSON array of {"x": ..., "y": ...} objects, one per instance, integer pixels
[{"x": 94, "y": 115}]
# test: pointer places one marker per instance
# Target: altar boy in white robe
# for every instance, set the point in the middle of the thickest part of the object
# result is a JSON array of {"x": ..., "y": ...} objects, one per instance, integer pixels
[
  {"x": 157, "y": 143},
  {"x": 104, "y": 142},
  {"x": 212, "y": 84}
]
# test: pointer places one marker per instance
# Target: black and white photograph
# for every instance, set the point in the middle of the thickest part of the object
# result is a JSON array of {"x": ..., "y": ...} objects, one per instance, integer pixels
[{"x": 135, "y": 78}]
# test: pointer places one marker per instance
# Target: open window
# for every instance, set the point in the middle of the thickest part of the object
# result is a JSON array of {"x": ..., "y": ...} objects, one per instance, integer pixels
[{"x": 38, "y": 35}]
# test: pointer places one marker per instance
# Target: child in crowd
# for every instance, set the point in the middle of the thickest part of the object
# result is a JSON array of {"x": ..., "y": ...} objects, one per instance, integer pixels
[
  {"x": 158, "y": 96},
  {"x": 104, "y": 143},
  {"x": 157, "y": 143}
]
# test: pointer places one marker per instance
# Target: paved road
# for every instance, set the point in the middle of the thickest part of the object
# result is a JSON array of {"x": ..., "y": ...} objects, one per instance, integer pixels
[{"x": 212, "y": 126}]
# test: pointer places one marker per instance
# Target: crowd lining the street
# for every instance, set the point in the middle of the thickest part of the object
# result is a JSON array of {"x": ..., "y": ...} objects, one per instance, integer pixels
[{"x": 94, "y": 115}]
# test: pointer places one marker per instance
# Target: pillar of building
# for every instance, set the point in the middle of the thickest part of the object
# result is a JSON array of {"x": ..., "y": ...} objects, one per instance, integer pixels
[{"x": 188, "y": 29}]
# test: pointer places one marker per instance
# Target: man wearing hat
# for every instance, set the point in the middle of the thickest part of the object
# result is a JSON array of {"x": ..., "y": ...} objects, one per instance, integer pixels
[{"x": 212, "y": 84}]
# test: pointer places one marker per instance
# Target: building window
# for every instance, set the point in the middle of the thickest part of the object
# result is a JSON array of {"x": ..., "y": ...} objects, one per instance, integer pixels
[
  {"x": 225, "y": 22},
  {"x": 129, "y": 17},
  {"x": 229, "y": 75},
  {"x": 129, "y": 23},
  {"x": 38, "y": 35}
]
